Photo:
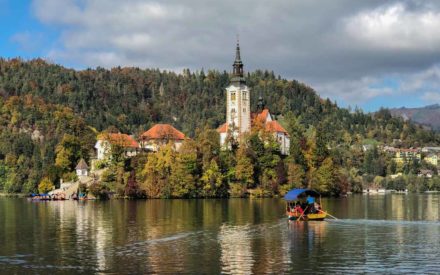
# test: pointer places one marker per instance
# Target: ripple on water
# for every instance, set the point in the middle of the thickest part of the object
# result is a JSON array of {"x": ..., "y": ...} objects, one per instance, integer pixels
[{"x": 114, "y": 237}]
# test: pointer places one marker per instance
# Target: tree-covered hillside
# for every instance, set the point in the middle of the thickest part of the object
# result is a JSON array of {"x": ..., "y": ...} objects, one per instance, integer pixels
[
  {"x": 133, "y": 99},
  {"x": 64, "y": 107}
]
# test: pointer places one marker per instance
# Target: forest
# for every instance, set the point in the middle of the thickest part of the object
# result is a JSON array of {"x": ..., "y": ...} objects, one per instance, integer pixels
[{"x": 50, "y": 117}]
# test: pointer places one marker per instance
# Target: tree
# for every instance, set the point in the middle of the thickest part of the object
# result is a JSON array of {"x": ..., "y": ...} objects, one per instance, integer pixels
[
  {"x": 13, "y": 181},
  {"x": 157, "y": 171},
  {"x": 296, "y": 175},
  {"x": 45, "y": 185},
  {"x": 184, "y": 171},
  {"x": 41, "y": 103},
  {"x": 209, "y": 145},
  {"x": 392, "y": 167},
  {"x": 99, "y": 190},
  {"x": 244, "y": 170},
  {"x": 132, "y": 189},
  {"x": 324, "y": 177},
  {"x": 212, "y": 180},
  {"x": 68, "y": 153}
]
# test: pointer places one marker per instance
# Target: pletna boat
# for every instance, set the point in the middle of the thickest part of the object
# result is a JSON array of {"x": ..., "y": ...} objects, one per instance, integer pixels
[{"x": 302, "y": 205}]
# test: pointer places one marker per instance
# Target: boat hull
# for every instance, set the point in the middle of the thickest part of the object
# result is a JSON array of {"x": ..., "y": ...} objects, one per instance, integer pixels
[{"x": 308, "y": 217}]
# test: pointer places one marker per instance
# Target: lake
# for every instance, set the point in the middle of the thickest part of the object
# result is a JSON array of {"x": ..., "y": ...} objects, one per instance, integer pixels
[{"x": 375, "y": 233}]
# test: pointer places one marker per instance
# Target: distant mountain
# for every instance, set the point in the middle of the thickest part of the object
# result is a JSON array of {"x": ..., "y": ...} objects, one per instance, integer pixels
[{"x": 427, "y": 116}]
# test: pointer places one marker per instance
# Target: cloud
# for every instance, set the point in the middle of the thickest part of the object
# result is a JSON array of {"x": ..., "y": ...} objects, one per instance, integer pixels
[
  {"x": 431, "y": 97},
  {"x": 343, "y": 48},
  {"x": 426, "y": 80},
  {"x": 27, "y": 41},
  {"x": 396, "y": 27},
  {"x": 354, "y": 91}
]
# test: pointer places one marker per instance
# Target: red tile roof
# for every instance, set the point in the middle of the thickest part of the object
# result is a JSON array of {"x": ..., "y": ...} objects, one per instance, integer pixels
[
  {"x": 223, "y": 128},
  {"x": 259, "y": 119},
  {"x": 123, "y": 140},
  {"x": 263, "y": 115},
  {"x": 274, "y": 126},
  {"x": 163, "y": 131}
]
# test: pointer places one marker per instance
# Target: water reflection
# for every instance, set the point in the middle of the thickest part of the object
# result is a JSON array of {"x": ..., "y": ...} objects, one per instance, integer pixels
[
  {"x": 236, "y": 251},
  {"x": 391, "y": 233}
]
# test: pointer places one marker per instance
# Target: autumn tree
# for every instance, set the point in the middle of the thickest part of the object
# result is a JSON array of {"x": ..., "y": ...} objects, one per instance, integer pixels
[
  {"x": 212, "y": 180},
  {"x": 157, "y": 171},
  {"x": 184, "y": 171},
  {"x": 45, "y": 185}
]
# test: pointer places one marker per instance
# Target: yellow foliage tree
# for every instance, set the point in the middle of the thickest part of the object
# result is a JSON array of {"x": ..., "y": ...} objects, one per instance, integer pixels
[{"x": 45, "y": 185}]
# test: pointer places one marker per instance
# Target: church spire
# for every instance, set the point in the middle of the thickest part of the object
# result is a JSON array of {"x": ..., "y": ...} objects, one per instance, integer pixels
[
  {"x": 261, "y": 103},
  {"x": 238, "y": 77},
  {"x": 237, "y": 52}
]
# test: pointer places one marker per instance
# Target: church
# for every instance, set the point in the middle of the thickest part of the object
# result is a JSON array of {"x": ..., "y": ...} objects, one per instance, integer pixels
[{"x": 239, "y": 119}]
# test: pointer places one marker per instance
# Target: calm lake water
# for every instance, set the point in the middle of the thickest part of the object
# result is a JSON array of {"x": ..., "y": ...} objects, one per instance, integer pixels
[{"x": 380, "y": 233}]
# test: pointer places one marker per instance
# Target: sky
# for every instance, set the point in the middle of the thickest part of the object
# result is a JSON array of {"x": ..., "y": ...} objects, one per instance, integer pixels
[{"x": 358, "y": 53}]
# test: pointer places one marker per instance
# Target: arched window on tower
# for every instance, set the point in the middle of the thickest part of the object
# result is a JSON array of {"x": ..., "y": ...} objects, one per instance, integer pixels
[
  {"x": 233, "y": 96},
  {"x": 244, "y": 95}
]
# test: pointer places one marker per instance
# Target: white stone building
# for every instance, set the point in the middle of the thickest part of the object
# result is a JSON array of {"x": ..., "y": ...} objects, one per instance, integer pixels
[
  {"x": 160, "y": 135},
  {"x": 238, "y": 115},
  {"x": 105, "y": 142},
  {"x": 82, "y": 169}
]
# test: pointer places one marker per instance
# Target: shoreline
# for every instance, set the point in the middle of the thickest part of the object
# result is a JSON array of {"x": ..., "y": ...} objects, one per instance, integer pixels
[
  {"x": 22, "y": 195},
  {"x": 13, "y": 195}
]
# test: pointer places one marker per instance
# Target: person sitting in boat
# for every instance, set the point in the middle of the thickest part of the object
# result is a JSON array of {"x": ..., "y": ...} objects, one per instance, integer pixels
[
  {"x": 309, "y": 202},
  {"x": 298, "y": 209},
  {"x": 317, "y": 207},
  {"x": 304, "y": 206}
]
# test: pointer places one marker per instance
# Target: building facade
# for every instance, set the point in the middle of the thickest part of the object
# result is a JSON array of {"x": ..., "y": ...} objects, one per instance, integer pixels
[
  {"x": 238, "y": 113},
  {"x": 405, "y": 155},
  {"x": 105, "y": 142},
  {"x": 267, "y": 124},
  {"x": 239, "y": 119},
  {"x": 432, "y": 159},
  {"x": 82, "y": 169},
  {"x": 160, "y": 135}
]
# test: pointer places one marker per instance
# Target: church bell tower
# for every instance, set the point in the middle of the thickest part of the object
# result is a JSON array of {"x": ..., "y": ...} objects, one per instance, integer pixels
[{"x": 238, "y": 115}]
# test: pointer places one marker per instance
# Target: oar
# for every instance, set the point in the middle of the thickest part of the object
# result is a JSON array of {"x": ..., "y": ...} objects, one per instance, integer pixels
[
  {"x": 329, "y": 214},
  {"x": 302, "y": 214}
]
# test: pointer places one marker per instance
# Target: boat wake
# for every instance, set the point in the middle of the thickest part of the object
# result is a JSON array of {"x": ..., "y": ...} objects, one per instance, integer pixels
[
  {"x": 384, "y": 222},
  {"x": 134, "y": 247}
]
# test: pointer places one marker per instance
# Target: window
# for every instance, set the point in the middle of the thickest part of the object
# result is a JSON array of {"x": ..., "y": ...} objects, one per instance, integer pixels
[
  {"x": 244, "y": 110},
  {"x": 233, "y": 110},
  {"x": 233, "y": 96},
  {"x": 244, "y": 95}
]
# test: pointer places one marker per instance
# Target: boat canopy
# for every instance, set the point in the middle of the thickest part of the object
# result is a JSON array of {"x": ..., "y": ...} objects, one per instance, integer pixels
[{"x": 294, "y": 194}]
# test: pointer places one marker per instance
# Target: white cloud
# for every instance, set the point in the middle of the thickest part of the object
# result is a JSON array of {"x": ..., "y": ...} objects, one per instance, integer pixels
[
  {"x": 431, "y": 97},
  {"x": 426, "y": 80},
  {"x": 353, "y": 91},
  {"x": 396, "y": 27},
  {"x": 344, "y": 48},
  {"x": 27, "y": 41}
]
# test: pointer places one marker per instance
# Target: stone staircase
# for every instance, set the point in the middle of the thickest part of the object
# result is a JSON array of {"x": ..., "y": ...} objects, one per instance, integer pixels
[{"x": 71, "y": 190}]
